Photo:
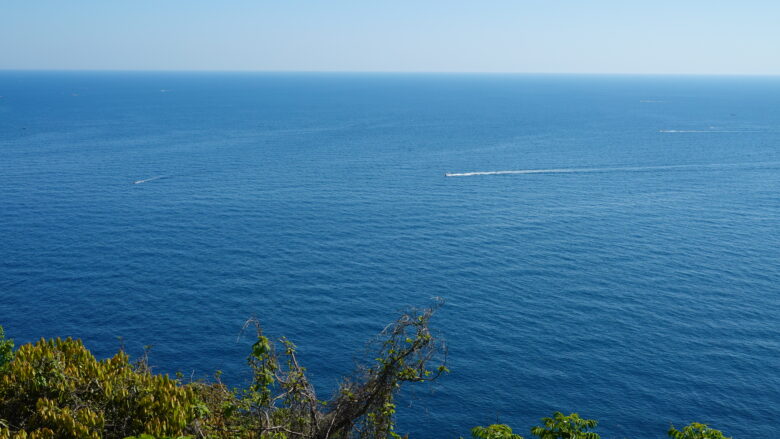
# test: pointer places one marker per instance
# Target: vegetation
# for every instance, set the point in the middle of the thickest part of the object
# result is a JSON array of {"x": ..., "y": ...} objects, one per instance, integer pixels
[
  {"x": 495, "y": 431},
  {"x": 695, "y": 431},
  {"x": 566, "y": 427},
  {"x": 57, "y": 389},
  {"x": 6, "y": 350},
  {"x": 281, "y": 402}
]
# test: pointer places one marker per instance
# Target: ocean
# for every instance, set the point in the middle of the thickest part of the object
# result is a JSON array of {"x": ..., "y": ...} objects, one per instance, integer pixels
[{"x": 607, "y": 245}]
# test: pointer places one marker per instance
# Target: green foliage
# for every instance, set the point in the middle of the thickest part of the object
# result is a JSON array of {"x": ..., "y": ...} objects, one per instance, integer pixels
[
  {"x": 56, "y": 388},
  {"x": 695, "y": 430},
  {"x": 566, "y": 427},
  {"x": 406, "y": 350},
  {"x": 149, "y": 436},
  {"x": 495, "y": 431},
  {"x": 264, "y": 366},
  {"x": 282, "y": 404},
  {"x": 6, "y": 350}
]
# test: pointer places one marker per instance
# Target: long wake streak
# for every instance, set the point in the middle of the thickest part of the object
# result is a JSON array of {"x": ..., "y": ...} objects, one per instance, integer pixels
[
  {"x": 623, "y": 169},
  {"x": 706, "y": 131}
]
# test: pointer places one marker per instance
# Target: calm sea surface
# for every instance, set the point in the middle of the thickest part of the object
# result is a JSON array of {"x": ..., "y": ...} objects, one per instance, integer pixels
[{"x": 637, "y": 281}]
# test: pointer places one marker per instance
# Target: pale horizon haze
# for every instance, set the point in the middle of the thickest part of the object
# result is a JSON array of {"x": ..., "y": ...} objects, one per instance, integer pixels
[{"x": 566, "y": 36}]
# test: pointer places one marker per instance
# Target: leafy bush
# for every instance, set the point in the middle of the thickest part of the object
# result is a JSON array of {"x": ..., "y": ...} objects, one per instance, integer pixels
[
  {"x": 574, "y": 427},
  {"x": 566, "y": 427},
  {"x": 281, "y": 402},
  {"x": 495, "y": 431},
  {"x": 6, "y": 350},
  {"x": 696, "y": 430},
  {"x": 56, "y": 388}
]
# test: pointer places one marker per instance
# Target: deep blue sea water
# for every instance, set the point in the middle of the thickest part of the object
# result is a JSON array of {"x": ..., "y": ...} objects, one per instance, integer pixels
[{"x": 641, "y": 287}]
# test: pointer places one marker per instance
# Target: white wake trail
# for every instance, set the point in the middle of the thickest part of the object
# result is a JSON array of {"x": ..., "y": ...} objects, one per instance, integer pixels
[
  {"x": 523, "y": 171},
  {"x": 706, "y": 131},
  {"x": 615, "y": 169},
  {"x": 148, "y": 179}
]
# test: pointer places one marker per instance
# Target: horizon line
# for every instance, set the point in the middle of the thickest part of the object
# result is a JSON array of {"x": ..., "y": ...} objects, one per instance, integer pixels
[{"x": 399, "y": 72}]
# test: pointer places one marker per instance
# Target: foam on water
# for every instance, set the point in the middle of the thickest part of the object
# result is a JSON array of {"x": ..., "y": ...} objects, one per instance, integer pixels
[
  {"x": 146, "y": 180},
  {"x": 706, "y": 131},
  {"x": 616, "y": 169}
]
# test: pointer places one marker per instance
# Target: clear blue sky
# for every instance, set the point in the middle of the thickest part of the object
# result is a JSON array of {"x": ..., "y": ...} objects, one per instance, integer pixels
[{"x": 563, "y": 36}]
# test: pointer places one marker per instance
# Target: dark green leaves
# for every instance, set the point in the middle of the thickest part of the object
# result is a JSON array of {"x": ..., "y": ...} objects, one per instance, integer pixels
[
  {"x": 566, "y": 427},
  {"x": 6, "y": 350},
  {"x": 695, "y": 430},
  {"x": 495, "y": 431}
]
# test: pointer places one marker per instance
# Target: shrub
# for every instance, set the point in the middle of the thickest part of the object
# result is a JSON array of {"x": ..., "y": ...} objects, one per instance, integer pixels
[
  {"x": 566, "y": 427},
  {"x": 495, "y": 431},
  {"x": 696, "y": 430},
  {"x": 281, "y": 403},
  {"x": 56, "y": 388},
  {"x": 6, "y": 350}
]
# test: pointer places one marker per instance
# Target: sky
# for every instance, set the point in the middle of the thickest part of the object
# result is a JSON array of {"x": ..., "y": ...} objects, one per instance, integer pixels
[{"x": 513, "y": 36}]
